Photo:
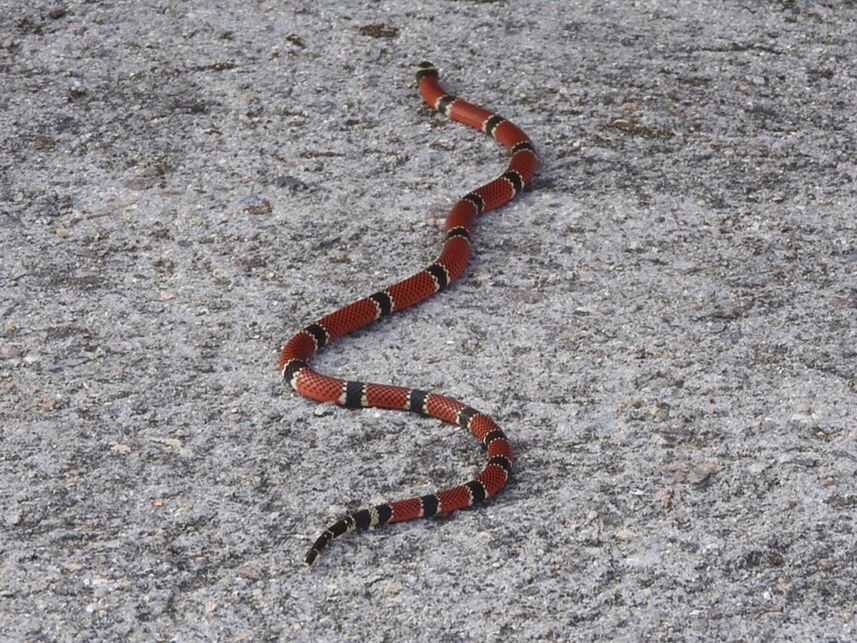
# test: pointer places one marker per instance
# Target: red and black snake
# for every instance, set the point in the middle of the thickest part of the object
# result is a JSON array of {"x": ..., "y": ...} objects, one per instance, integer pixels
[{"x": 295, "y": 355}]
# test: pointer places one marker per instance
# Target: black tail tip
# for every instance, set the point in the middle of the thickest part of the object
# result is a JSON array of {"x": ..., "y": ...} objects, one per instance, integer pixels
[{"x": 311, "y": 555}]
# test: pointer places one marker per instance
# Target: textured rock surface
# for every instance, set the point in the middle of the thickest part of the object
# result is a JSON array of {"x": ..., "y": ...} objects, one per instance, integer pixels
[{"x": 665, "y": 325}]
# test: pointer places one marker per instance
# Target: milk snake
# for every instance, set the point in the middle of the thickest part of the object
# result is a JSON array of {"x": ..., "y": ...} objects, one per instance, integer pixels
[{"x": 293, "y": 362}]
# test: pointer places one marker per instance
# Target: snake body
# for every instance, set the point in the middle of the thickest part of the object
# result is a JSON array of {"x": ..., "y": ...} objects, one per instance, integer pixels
[{"x": 448, "y": 266}]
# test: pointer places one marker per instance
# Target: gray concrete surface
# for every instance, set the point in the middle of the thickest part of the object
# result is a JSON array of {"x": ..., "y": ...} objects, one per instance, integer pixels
[{"x": 665, "y": 325}]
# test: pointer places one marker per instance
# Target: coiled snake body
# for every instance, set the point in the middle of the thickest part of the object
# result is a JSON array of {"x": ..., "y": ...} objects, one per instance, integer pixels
[{"x": 294, "y": 357}]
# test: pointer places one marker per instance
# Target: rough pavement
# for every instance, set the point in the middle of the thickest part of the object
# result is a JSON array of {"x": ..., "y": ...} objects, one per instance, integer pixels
[{"x": 665, "y": 325}]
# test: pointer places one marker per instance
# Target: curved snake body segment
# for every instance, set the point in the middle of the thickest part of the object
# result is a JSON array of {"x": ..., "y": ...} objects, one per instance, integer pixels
[{"x": 295, "y": 355}]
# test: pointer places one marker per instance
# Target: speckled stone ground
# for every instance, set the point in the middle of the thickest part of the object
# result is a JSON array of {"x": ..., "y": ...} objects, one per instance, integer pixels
[{"x": 665, "y": 325}]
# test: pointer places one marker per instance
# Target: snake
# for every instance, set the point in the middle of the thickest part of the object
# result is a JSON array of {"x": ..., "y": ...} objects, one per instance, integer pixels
[{"x": 295, "y": 354}]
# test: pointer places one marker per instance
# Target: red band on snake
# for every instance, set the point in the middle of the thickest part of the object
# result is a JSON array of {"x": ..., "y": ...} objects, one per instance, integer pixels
[{"x": 296, "y": 353}]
